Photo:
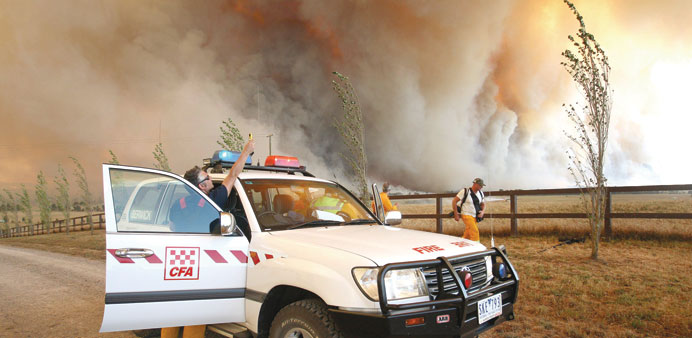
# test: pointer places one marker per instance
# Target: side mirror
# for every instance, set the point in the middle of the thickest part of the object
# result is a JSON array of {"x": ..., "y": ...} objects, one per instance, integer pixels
[
  {"x": 393, "y": 218},
  {"x": 228, "y": 224}
]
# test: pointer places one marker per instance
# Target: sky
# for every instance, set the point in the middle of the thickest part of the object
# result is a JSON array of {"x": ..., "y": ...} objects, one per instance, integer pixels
[{"x": 449, "y": 90}]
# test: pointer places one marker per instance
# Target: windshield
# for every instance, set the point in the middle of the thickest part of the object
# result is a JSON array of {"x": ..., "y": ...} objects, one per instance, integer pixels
[{"x": 289, "y": 204}]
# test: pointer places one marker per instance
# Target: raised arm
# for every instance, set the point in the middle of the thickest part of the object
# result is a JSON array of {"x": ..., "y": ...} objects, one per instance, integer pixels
[{"x": 238, "y": 166}]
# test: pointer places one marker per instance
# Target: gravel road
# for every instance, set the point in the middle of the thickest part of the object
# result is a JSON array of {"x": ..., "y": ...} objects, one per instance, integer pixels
[{"x": 45, "y": 294}]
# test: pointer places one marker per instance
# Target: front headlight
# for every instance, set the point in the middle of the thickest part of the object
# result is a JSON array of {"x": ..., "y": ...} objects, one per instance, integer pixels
[{"x": 399, "y": 284}]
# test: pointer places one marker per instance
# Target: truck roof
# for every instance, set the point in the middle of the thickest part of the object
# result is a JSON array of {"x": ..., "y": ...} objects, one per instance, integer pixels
[{"x": 252, "y": 174}]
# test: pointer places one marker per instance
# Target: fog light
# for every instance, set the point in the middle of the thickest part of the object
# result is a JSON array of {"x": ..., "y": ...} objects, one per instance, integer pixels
[
  {"x": 415, "y": 321},
  {"x": 500, "y": 270},
  {"x": 467, "y": 278}
]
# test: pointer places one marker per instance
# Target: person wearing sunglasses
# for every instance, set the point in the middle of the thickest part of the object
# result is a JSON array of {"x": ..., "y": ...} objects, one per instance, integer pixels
[{"x": 220, "y": 194}]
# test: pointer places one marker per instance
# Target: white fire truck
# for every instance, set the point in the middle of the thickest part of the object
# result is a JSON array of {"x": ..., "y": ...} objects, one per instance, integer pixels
[{"x": 289, "y": 255}]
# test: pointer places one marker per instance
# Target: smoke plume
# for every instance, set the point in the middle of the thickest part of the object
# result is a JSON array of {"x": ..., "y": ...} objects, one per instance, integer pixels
[{"x": 450, "y": 90}]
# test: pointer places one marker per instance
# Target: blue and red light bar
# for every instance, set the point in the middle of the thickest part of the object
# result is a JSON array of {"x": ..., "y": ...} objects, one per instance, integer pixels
[
  {"x": 282, "y": 161},
  {"x": 226, "y": 158}
]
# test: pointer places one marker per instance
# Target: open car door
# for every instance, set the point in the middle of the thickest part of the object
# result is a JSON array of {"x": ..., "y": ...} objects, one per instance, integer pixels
[{"x": 164, "y": 266}]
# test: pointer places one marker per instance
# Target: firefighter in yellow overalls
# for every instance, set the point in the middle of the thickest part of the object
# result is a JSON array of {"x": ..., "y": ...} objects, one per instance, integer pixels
[{"x": 330, "y": 202}]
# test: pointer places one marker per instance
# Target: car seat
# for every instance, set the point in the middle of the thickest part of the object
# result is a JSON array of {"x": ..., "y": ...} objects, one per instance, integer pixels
[{"x": 283, "y": 203}]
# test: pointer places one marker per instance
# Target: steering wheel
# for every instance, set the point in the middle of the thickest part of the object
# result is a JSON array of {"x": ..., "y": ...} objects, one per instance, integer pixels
[{"x": 264, "y": 216}]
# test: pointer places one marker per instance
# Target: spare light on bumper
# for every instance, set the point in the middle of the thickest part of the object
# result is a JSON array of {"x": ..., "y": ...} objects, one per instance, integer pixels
[
  {"x": 500, "y": 271},
  {"x": 399, "y": 284}
]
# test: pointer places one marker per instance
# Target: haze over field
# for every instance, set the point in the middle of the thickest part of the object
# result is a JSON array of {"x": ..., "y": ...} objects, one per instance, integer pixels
[{"x": 450, "y": 90}]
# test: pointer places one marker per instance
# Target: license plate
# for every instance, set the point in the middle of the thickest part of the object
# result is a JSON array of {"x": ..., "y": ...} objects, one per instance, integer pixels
[{"x": 489, "y": 308}]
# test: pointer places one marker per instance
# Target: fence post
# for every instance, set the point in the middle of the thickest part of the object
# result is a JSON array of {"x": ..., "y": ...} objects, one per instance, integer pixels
[
  {"x": 438, "y": 211},
  {"x": 608, "y": 227},
  {"x": 513, "y": 211}
]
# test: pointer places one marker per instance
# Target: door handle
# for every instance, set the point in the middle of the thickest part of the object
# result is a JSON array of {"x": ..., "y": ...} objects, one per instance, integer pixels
[{"x": 134, "y": 253}]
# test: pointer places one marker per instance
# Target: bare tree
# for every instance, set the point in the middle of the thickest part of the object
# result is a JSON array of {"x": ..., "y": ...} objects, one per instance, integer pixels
[
  {"x": 231, "y": 139},
  {"x": 352, "y": 131},
  {"x": 588, "y": 66},
  {"x": 43, "y": 200},
  {"x": 14, "y": 207},
  {"x": 161, "y": 158},
  {"x": 25, "y": 205},
  {"x": 83, "y": 184},
  {"x": 63, "y": 199}
]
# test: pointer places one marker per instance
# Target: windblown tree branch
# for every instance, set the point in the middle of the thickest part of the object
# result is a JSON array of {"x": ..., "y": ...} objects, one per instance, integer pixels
[
  {"x": 352, "y": 131},
  {"x": 5, "y": 213},
  {"x": 25, "y": 205},
  {"x": 588, "y": 66},
  {"x": 14, "y": 207},
  {"x": 161, "y": 158},
  {"x": 231, "y": 139},
  {"x": 114, "y": 159},
  {"x": 63, "y": 199},
  {"x": 43, "y": 200},
  {"x": 83, "y": 185}
]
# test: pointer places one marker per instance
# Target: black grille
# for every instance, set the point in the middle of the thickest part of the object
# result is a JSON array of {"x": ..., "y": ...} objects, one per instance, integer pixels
[{"x": 476, "y": 267}]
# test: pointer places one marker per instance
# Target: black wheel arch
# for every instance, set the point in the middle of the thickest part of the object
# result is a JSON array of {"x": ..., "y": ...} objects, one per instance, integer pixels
[{"x": 277, "y": 298}]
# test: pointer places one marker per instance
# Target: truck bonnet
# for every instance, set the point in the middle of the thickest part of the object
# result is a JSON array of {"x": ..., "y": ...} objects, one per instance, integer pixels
[{"x": 382, "y": 244}]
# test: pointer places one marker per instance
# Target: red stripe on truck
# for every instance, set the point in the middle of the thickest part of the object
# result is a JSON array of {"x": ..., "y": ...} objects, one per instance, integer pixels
[
  {"x": 240, "y": 256},
  {"x": 215, "y": 256},
  {"x": 153, "y": 259},
  {"x": 120, "y": 259}
]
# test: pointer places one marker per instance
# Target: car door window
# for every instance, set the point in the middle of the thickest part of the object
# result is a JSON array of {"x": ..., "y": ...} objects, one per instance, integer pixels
[{"x": 155, "y": 203}]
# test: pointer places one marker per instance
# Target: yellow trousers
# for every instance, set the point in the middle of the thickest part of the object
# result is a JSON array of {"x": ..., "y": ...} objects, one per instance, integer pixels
[
  {"x": 193, "y": 331},
  {"x": 471, "y": 230}
]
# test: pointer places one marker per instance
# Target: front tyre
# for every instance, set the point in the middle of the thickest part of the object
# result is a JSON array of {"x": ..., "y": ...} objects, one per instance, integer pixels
[{"x": 306, "y": 318}]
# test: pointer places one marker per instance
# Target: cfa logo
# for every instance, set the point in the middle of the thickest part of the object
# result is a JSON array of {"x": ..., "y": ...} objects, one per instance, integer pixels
[{"x": 182, "y": 263}]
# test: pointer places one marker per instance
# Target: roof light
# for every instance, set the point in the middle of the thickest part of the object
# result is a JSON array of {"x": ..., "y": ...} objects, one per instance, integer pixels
[
  {"x": 282, "y": 161},
  {"x": 227, "y": 158}
]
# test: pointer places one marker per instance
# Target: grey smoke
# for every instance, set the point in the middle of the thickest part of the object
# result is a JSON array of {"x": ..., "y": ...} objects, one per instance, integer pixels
[{"x": 450, "y": 90}]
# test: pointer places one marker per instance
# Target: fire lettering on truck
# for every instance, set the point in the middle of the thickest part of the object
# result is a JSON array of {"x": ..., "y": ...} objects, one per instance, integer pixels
[
  {"x": 462, "y": 244},
  {"x": 428, "y": 248},
  {"x": 182, "y": 263}
]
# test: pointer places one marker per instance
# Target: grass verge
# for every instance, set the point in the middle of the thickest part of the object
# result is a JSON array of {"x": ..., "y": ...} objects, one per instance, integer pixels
[{"x": 77, "y": 243}]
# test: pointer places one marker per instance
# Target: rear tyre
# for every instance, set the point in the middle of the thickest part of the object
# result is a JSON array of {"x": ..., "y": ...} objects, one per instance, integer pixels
[{"x": 306, "y": 318}]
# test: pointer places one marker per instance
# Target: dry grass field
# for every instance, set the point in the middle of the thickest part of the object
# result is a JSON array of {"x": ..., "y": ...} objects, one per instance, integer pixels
[{"x": 640, "y": 286}]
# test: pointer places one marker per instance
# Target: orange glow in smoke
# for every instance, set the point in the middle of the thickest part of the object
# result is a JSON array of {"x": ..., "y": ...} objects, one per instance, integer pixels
[{"x": 244, "y": 8}]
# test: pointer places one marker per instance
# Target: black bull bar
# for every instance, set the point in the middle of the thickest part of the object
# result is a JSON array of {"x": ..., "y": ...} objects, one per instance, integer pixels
[{"x": 446, "y": 298}]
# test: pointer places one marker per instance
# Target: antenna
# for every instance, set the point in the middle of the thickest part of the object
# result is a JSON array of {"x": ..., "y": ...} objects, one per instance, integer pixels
[
  {"x": 492, "y": 235},
  {"x": 270, "y": 143}
]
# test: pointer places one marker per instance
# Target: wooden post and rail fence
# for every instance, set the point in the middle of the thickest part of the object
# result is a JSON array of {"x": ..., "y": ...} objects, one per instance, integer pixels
[
  {"x": 514, "y": 215},
  {"x": 79, "y": 223},
  {"x": 82, "y": 223}
]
